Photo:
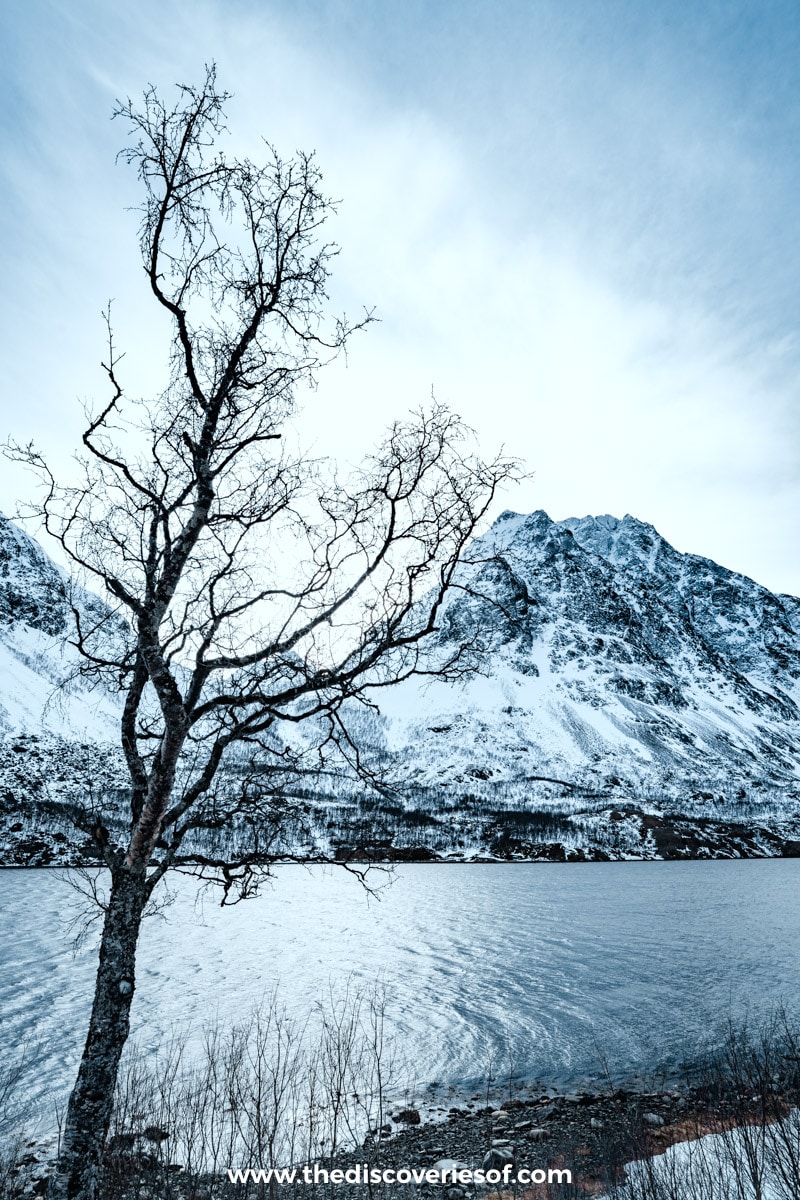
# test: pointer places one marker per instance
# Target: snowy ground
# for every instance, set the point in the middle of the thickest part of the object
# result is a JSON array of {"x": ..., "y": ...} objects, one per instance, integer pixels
[{"x": 741, "y": 1164}]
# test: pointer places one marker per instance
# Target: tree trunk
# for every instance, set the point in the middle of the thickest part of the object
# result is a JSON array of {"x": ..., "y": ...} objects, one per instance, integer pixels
[{"x": 92, "y": 1100}]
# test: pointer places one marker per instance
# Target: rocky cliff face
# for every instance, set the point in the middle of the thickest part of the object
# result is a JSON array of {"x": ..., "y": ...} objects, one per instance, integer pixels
[{"x": 619, "y": 663}]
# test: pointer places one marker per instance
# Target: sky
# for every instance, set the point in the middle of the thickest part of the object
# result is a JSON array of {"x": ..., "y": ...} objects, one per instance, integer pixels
[{"x": 576, "y": 220}]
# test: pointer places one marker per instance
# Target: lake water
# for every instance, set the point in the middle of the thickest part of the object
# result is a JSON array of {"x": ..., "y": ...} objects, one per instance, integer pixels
[{"x": 631, "y": 965}]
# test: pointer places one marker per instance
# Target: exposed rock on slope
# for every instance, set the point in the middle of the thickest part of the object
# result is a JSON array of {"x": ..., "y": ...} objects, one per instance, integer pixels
[
  {"x": 38, "y": 693},
  {"x": 622, "y": 667},
  {"x": 637, "y": 703}
]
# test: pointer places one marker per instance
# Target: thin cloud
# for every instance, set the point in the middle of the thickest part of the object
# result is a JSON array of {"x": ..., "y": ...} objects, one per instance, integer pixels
[{"x": 584, "y": 242}]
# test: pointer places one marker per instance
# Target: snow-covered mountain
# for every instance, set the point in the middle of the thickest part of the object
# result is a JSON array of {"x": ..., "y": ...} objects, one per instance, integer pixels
[
  {"x": 635, "y": 702},
  {"x": 38, "y": 691},
  {"x": 619, "y": 666}
]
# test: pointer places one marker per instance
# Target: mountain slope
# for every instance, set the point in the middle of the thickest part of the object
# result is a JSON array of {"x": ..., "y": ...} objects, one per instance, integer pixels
[
  {"x": 38, "y": 691},
  {"x": 636, "y": 702},
  {"x": 619, "y": 664}
]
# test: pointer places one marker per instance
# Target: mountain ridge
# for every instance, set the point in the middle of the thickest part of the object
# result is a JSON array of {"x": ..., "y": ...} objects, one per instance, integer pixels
[
  {"x": 635, "y": 702},
  {"x": 609, "y": 635}
]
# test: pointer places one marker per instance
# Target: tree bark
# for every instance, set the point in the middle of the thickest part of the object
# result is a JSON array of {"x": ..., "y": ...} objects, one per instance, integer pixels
[{"x": 92, "y": 1101}]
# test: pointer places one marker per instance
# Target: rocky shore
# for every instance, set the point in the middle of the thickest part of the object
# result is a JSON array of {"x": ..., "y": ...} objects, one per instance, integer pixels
[{"x": 591, "y": 1135}]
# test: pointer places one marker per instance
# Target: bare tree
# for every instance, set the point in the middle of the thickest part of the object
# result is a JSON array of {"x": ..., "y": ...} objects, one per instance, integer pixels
[{"x": 251, "y": 592}]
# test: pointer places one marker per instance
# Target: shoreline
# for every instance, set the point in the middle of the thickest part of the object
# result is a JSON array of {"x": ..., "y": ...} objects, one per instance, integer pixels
[
  {"x": 595, "y": 1135},
  {"x": 428, "y": 858}
]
